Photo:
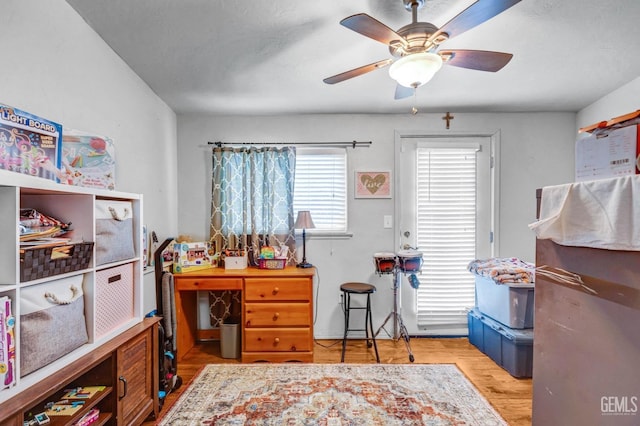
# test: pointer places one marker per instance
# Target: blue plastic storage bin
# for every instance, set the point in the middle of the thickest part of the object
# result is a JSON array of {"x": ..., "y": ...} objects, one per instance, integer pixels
[
  {"x": 510, "y": 304},
  {"x": 512, "y": 349}
]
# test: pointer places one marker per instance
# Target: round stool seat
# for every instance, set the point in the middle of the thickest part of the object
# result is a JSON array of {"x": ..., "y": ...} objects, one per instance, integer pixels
[
  {"x": 362, "y": 289},
  {"x": 359, "y": 288}
]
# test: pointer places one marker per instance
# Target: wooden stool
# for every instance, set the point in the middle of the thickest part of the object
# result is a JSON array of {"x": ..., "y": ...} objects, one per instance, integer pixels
[{"x": 358, "y": 288}]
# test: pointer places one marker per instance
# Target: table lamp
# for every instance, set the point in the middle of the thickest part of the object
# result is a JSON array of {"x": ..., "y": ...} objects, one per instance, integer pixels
[{"x": 304, "y": 221}]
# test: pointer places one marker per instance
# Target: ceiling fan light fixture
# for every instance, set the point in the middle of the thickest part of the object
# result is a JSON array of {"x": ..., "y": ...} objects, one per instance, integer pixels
[{"x": 416, "y": 69}]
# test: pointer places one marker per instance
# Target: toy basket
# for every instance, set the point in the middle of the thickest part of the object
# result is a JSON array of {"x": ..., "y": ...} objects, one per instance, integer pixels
[
  {"x": 272, "y": 263},
  {"x": 42, "y": 262}
]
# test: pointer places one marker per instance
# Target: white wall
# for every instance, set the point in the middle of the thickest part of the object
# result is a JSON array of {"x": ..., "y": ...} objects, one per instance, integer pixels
[
  {"x": 536, "y": 150},
  {"x": 55, "y": 66},
  {"x": 622, "y": 101}
]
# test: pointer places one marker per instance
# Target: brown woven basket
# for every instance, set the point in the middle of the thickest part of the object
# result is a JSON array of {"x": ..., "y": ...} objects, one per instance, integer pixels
[{"x": 37, "y": 263}]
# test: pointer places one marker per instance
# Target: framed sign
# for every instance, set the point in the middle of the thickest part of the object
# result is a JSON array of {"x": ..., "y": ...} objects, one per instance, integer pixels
[{"x": 372, "y": 184}]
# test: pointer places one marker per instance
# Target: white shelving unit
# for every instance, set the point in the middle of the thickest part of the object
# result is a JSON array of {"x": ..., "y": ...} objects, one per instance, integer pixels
[{"x": 69, "y": 204}]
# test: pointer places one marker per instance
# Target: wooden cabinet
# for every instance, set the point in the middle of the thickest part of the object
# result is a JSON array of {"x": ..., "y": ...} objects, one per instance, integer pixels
[
  {"x": 125, "y": 366},
  {"x": 277, "y": 319},
  {"x": 277, "y": 310},
  {"x": 137, "y": 387},
  {"x": 75, "y": 205}
]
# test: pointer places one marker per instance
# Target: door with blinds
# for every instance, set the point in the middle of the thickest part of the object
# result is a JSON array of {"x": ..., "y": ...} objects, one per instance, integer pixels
[{"x": 445, "y": 209}]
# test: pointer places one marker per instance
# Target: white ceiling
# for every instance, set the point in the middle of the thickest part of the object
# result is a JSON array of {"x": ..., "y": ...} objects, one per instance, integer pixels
[{"x": 254, "y": 57}]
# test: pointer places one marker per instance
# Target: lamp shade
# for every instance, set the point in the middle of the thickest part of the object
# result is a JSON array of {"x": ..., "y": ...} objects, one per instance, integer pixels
[
  {"x": 304, "y": 221},
  {"x": 416, "y": 69}
]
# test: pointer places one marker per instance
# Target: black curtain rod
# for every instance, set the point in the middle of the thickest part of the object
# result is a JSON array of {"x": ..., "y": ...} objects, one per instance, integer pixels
[{"x": 352, "y": 144}]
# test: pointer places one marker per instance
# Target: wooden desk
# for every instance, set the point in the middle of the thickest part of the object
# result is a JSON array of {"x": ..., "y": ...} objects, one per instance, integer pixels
[{"x": 277, "y": 310}]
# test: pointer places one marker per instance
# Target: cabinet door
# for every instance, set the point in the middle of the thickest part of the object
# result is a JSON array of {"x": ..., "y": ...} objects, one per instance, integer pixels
[
  {"x": 15, "y": 420},
  {"x": 135, "y": 379}
]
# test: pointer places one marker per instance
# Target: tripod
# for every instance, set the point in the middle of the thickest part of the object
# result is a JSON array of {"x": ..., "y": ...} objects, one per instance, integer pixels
[{"x": 399, "y": 329}]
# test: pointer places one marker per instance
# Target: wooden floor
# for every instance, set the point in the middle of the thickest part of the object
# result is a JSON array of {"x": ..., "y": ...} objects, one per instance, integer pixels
[{"x": 511, "y": 397}]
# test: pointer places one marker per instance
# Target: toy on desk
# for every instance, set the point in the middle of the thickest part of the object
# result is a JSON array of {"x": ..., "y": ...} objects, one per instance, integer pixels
[
  {"x": 267, "y": 252},
  {"x": 235, "y": 259},
  {"x": 273, "y": 257},
  {"x": 193, "y": 256},
  {"x": 233, "y": 253}
]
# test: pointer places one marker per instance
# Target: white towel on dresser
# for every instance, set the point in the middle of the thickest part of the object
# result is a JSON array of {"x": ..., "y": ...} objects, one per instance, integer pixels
[{"x": 599, "y": 214}]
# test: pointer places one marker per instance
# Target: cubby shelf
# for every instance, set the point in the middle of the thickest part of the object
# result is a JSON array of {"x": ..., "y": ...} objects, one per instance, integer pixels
[{"x": 77, "y": 206}]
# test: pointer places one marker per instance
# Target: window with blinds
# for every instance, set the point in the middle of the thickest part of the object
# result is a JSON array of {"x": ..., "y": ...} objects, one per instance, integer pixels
[
  {"x": 321, "y": 187},
  {"x": 446, "y": 234}
]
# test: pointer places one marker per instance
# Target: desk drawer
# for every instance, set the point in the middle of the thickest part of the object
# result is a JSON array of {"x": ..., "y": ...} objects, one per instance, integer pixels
[
  {"x": 207, "y": 283},
  {"x": 274, "y": 289},
  {"x": 277, "y": 340},
  {"x": 277, "y": 314}
]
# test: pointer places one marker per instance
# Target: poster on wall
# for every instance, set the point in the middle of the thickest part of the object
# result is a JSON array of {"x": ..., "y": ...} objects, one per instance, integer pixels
[{"x": 372, "y": 184}]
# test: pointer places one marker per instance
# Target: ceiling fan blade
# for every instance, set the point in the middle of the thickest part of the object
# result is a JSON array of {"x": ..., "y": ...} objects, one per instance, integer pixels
[
  {"x": 357, "y": 71},
  {"x": 481, "y": 60},
  {"x": 403, "y": 92},
  {"x": 372, "y": 28},
  {"x": 476, "y": 14}
]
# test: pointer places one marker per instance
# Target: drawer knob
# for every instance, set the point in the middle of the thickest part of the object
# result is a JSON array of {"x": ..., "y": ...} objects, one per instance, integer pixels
[
  {"x": 276, "y": 340},
  {"x": 276, "y": 316},
  {"x": 275, "y": 291}
]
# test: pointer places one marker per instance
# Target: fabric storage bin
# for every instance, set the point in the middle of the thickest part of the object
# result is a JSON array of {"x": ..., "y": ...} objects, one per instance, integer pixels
[
  {"x": 508, "y": 303},
  {"x": 114, "y": 231},
  {"x": 52, "y": 322},
  {"x": 114, "y": 298},
  {"x": 511, "y": 349},
  {"x": 43, "y": 262}
]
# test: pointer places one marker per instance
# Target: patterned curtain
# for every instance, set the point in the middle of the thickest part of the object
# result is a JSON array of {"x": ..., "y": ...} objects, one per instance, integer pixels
[{"x": 252, "y": 202}]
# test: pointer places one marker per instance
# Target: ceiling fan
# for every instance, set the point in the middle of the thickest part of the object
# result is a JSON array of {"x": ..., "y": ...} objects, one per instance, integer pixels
[{"x": 416, "y": 46}]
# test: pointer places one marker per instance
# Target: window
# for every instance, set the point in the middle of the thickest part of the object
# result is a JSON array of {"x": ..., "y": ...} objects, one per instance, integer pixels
[
  {"x": 446, "y": 233},
  {"x": 321, "y": 187}
]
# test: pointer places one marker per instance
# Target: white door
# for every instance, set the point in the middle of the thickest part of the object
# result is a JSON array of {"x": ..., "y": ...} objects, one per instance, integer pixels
[{"x": 445, "y": 208}]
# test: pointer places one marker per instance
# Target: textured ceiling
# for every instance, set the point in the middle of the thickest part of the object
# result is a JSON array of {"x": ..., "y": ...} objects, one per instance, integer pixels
[{"x": 254, "y": 57}]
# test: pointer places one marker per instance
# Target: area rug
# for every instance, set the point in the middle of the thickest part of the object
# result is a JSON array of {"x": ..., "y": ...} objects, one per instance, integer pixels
[{"x": 331, "y": 394}]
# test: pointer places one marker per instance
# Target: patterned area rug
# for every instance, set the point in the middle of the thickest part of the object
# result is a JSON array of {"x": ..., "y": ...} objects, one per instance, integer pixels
[{"x": 331, "y": 394}]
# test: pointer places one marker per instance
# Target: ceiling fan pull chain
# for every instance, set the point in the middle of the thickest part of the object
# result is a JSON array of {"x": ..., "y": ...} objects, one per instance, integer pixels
[{"x": 414, "y": 108}]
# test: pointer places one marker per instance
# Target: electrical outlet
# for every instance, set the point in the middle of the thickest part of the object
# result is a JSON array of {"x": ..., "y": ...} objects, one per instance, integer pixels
[{"x": 341, "y": 299}]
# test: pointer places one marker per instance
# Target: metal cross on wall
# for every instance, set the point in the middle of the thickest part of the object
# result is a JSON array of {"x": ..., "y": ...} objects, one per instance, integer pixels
[{"x": 448, "y": 117}]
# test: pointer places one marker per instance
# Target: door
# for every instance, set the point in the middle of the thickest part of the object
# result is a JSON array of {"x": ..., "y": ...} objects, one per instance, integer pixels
[
  {"x": 445, "y": 209},
  {"x": 134, "y": 378}
]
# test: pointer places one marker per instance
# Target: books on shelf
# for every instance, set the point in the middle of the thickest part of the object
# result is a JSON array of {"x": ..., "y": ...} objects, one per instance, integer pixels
[
  {"x": 89, "y": 418},
  {"x": 7, "y": 344}
]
